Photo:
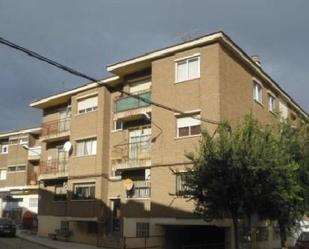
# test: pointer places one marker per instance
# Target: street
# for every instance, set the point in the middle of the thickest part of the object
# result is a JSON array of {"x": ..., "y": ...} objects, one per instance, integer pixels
[{"x": 17, "y": 243}]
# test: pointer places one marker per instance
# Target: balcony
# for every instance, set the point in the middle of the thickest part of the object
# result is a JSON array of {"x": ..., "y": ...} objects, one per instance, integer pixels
[
  {"x": 56, "y": 129},
  {"x": 130, "y": 106},
  {"x": 136, "y": 154},
  {"x": 141, "y": 189},
  {"x": 34, "y": 153},
  {"x": 52, "y": 169}
]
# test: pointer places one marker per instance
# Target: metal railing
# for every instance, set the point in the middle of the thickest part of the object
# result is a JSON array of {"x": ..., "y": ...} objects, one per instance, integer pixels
[
  {"x": 53, "y": 167},
  {"x": 128, "y": 103},
  {"x": 137, "y": 153},
  {"x": 140, "y": 190},
  {"x": 34, "y": 152},
  {"x": 56, "y": 126}
]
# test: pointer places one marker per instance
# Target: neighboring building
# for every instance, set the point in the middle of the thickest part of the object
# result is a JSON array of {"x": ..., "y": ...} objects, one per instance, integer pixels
[
  {"x": 122, "y": 180},
  {"x": 19, "y": 164}
]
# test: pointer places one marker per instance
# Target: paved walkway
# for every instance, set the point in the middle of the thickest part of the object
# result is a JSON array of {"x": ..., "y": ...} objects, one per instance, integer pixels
[{"x": 53, "y": 244}]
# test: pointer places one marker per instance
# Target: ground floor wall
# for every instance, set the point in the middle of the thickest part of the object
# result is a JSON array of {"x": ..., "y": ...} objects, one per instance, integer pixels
[
  {"x": 175, "y": 233},
  {"x": 80, "y": 231}
]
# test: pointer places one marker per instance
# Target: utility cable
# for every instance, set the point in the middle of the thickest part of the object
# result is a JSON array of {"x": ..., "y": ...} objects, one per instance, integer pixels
[{"x": 110, "y": 88}]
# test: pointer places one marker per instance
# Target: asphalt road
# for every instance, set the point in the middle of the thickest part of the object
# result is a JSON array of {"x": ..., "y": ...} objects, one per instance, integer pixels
[{"x": 16, "y": 243}]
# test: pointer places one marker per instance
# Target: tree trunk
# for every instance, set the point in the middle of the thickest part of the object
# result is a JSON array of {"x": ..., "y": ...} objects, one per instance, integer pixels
[
  {"x": 283, "y": 235},
  {"x": 235, "y": 225}
]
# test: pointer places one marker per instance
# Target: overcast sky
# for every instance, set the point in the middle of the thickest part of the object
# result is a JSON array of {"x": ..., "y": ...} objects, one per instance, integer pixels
[{"x": 88, "y": 35}]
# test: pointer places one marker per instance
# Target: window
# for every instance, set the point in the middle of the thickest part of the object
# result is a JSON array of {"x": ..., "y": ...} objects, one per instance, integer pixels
[
  {"x": 23, "y": 140},
  {"x": 18, "y": 168},
  {"x": 87, "y": 105},
  {"x": 258, "y": 92},
  {"x": 33, "y": 202},
  {"x": 142, "y": 229},
  {"x": 283, "y": 109},
  {"x": 4, "y": 148},
  {"x": 13, "y": 141},
  {"x": 3, "y": 174},
  {"x": 86, "y": 147},
  {"x": 188, "y": 69},
  {"x": 84, "y": 191},
  {"x": 117, "y": 125},
  {"x": 60, "y": 193},
  {"x": 188, "y": 126},
  {"x": 181, "y": 186},
  {"x": 271, "y": 103}
]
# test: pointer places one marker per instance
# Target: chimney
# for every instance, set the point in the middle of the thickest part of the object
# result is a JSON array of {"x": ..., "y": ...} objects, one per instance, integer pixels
[{"x": 257, "y": 60}]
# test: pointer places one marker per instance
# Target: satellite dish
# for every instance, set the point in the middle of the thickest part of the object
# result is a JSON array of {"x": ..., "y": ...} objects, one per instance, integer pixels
[
  {"x": 67, "y": 146},
  {"x": 128, "y": 184}
]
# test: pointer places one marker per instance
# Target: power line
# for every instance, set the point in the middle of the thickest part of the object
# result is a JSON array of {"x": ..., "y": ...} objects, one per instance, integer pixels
[{"x": 110, "y": 88}]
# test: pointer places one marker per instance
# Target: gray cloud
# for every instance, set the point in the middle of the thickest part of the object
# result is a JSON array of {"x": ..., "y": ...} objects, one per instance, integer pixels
[{"x": 88, "y": 35}]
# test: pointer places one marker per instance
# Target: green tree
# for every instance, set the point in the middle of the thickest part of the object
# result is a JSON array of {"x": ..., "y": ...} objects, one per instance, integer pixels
[
  {"x": 288, "y": 196},
  {"x": 250, "y": 169}
]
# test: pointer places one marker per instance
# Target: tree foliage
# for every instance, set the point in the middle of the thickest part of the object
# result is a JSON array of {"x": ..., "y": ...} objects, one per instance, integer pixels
[{"x": 251, "y": 169}]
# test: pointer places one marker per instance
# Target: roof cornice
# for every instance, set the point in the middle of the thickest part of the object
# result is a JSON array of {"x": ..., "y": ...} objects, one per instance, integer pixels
[
  {"x": 214, "y": 37},
  {"x": 20, "y": 132}
]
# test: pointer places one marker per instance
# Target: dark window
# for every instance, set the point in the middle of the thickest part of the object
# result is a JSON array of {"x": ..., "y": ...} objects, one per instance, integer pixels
[
  {"x": 84, "y": 191},
  {"x": 184, "y": 131},
  {"x": 142, "y": 229},
  {"x": 188, "y": 125},
  {"x": 181, "y": 186}
]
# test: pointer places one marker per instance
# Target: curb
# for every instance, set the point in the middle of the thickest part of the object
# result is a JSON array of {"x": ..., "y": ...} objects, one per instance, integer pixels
[{"x": 35, "y": 242}]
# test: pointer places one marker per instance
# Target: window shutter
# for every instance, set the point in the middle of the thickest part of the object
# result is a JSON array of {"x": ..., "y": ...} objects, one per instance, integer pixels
[
  {"x": 87, "y": 103},
  {"x": 188, "y": 121},
  {"x": 141, "y": 86}
]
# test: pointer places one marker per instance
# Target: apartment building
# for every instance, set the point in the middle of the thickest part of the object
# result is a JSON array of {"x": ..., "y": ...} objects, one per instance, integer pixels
[
  {"x": 74, "y": 163},
  {"x": 19, "y": 164},
  {"x": 113, "y": 164}
]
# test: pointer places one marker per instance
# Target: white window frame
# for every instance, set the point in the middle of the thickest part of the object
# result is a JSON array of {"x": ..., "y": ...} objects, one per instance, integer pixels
[
  {"x": 93, "y": 147},
  {"x": 90, "y": 108},
  {"x": 195, "y": 123},
  {"x": 271, "y": 103},
  {"x": 186, "y": 60},
  {"x": 257, "y": 92},
  {"x": 3, "y": 174},
  {"x": 115, "y": 125},
  {"x": 4, "y": 148}
]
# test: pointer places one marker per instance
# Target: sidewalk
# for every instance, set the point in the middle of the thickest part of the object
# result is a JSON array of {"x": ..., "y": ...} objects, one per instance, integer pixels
[{"x": 53, "y": 244}]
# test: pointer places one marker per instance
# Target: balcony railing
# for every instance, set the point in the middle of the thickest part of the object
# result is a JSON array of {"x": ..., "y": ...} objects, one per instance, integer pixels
[
  {"x": 128, "y": 103},
  {"x": 137, "y": 153},
  {"x": 56, "y": 127},
  {"x": 54, "y": 167},
  {"x": 140, "y": 190},
  {"x": 34, "y": 153}
]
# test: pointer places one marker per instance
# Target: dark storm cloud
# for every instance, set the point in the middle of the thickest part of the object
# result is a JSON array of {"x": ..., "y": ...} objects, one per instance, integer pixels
[{"x": 88, "y": 35}]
